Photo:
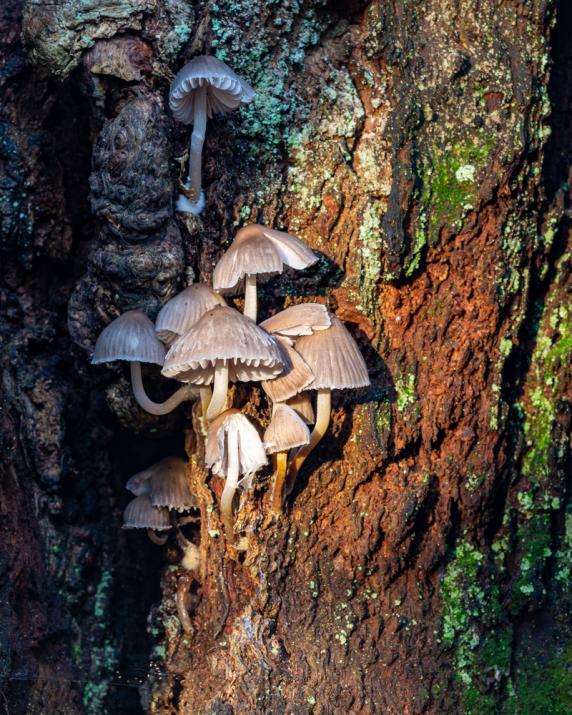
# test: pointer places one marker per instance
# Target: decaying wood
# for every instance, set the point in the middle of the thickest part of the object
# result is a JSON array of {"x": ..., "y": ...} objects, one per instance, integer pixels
[{"x": 422, "y": 563}]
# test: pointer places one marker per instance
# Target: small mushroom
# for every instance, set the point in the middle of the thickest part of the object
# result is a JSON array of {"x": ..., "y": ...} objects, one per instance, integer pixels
[
  {"x": 337, "y": 364},
  {"x": 223, "y": 345},
  {"x": 258, "y": 251},
  {"x": 203, "y": 87},
  {"x": 302, "y": 404},
  {"x": 295, "y": 377},
  {"x": 286, "y": 431},
  {"x": 233, "y": 449},
  {"x": 298, "y": 320},
  {"x": 131, "y": 337},
  {"x": 180, "y": 313},
  {"x": 141, "y": 514},
  {"x": 166, "y": 484}
]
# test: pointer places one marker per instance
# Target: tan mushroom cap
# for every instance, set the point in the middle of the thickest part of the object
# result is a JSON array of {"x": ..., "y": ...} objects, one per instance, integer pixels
[
  {"x": 180, "y": 313},
  {"x": 225, "y": 89},
  {"x": 261, "y": 251},
  {"x": 295, "y": 378},
  {"x": 130, "y": 337},
  {"x": 285, "y": 431},
  {"x": 334, "y": 358},
  {"x": 166, "y": 484},
  {"x": 298, "y": 320},
  {"x": 224, "y": 334},
  {"x": 141, "y": 514},
  {"x": 302, "y": 405},
  {"x": 251, "y": 455}
]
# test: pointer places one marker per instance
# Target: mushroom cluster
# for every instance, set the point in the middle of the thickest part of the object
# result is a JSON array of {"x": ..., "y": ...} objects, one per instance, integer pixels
[{"x": 205, "y": 344}]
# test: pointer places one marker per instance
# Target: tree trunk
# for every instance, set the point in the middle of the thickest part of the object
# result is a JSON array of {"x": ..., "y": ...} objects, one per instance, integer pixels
[{"x": 422, "y": 563}]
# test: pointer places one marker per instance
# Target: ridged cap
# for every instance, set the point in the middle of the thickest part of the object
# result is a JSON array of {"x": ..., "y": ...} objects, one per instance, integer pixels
[
  {"x": 130, "y": 337},
  {"x": 225, "y": 89},
  {"x": 261, "y": 251},
  {"x": 298, "y": 320},
  {"x": 224, "y": 334},
  {"x": 334, "y": 358},
  {"x": 285, "y": 431},
  {"x": 184, "y": 310},
  {"x": 302, "y": 405},
  {"x": 295, "y": 378},
  {"x": 141, "y": 514},
  {"x": 166, "y": 484},
  {"x": 251, "y": 453}
]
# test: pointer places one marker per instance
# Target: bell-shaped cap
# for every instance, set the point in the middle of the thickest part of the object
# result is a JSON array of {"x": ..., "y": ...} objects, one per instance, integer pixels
[
  {"x": 180, "y": 313},
  {"x": 295, "y": 377},
  {"x": 166, "y": 484},
  {"x": 298, "y": 320},
  {"x": 261, "y": 251},
  {"x": 334, "y": 358},
  {"x": 224, "y": 334},
  {"x": 130, "y": 337},
  {"x": 141, "y": 514},
  {"x": 251, "y": 456},
  {"x": 285, "y": 431},
  {"x": 225, "y": 89},
  {"x": 302, "y": 405}
]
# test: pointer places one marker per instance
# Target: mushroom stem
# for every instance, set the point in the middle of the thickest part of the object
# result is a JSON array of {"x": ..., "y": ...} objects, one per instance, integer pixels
[
  {"x": 197, "y": 140},
  {"x": 220, "y": 390},
  {"x": 250, "y": 298},
  {"x": 186, "y": 392},
  {"x": 280, "y": 462},
  {"x": 323, "y": 409},
  {"x": 183, "y": 601},
  {"x": 230, "y": 485},
  {"x": 156, "y": 539}
]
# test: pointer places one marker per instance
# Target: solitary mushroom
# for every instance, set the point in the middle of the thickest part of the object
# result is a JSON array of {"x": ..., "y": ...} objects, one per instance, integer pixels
[
  {"x": 337, "y": 364},
  {"x": 223, "y": 345},
  {"x": 203, "y": 87},
  {"x": 259, "y": 251},
  {"x": 131, "y": 337},
  {"x": 285, "y": 431},
  {"x": 180, "y": 313},
  {"x": 298, "y": 320},
  {"x": 141, "y": 514},
  {"x": 233, "y": 449},
  {"x": 166, "y": 484}
]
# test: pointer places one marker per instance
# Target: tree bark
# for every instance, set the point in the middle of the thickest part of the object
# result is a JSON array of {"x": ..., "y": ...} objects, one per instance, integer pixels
[{"x": 422, "y": 562}]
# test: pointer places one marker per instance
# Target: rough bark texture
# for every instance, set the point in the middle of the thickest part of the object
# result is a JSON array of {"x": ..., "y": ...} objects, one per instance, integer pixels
[{"x": 423, "y": 561}]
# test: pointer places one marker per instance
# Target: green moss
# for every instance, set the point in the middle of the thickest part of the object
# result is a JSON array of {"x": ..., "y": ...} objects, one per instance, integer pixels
[
  {"x": 542, "y": 688},
  {"x": 406, "y": 391}
]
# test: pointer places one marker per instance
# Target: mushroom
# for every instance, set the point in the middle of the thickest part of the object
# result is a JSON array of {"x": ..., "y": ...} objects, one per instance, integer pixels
[
  {"x": 285, "y": 431},
  {"x": 223, "y": 345},
  {"x": 258, "y": 251},
  {"x": 233, "y": 449},
  {"x": 141, "y": 514},
  {"x": 180, "y": 313},
  {"x": 302, "y": 404},
  {"x": 298, "y": 320},
  {"x": 295, "y": 378},
  {"x": 337, "y": 364},
  {"x": 165, "y": 483},
  {"x": 131, "y": 337},
  {"x": 203, "y": 87}
]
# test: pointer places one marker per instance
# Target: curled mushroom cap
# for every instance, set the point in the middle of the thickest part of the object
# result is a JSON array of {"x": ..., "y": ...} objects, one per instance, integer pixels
[
  {"x": 295, "y": 377},
  {"x": 180, "y": 313},
  {"x": 334, "y": 358},
  {"x": 260, "y": 251},
  {"x": 141, "y": 514},
  {"x": 230, "y": 427},
  {"x": 130, "y": 337},
  {"x": 225, "y": 89},
  {"x": 302, "y": 405},
  {"x": 298, "y": 320},
  {"x": 223, "y": 335},
  {"x": 285, "y": 431},
  {"x": 165, "y": 483}
]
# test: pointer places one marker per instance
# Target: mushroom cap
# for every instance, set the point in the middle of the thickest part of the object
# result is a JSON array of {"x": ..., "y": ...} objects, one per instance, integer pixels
[
  {"x": 261, "y": 251},
  {"x": 285, "y": 431},
  {"x": 334, "y": 358},
  {"x": 130, "y": 337},
  {"x": 302, "y": 405},
  {"x": 225, "y": 89},
  {"x": 295, "y": 378},
  {"x": 180, "y": 313},
  {"x": 251, "y": 455},
  {"x": 141, "y": 514},
  {"x": 224, "y": 334},
  {"x": 298, "y": 320},
  {"x": 166, "y": 484}
]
